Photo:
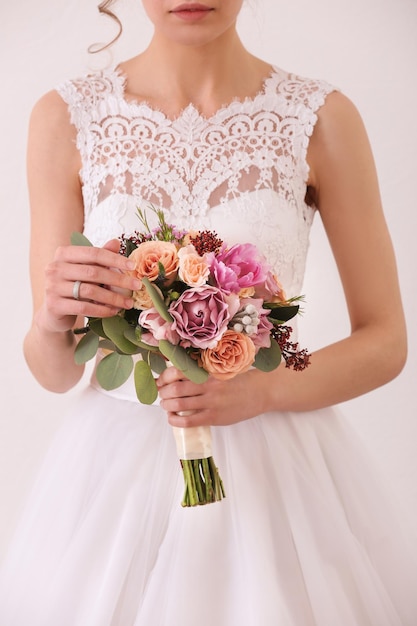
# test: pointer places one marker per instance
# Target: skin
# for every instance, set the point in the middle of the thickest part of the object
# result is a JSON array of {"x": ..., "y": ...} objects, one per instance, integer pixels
[{"x": 206, "y": 64}]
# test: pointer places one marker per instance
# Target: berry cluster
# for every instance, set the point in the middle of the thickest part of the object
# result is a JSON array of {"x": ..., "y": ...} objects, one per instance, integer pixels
[
  {"x": 297, "y": 359},
  {"x": 206, "y": 241}
]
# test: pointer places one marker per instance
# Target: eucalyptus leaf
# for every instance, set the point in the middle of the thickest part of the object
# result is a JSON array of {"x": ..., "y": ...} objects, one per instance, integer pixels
[
  {"x": 96, "y": 325},
  {"x": 131, "y": 334},
  {"x": 145, "y": 385},
  {"x": 114, "y": 328},
  {"x": 157, "y": 362},
  {"x": 281, "y": 314},
  {"x": 158, "y": 302},
  {"x": 106, "y": 344},
  {"x": 182, "y": 361},
  {"x": 114, "y": 370},
  {"x": 78, "y": 239},
  {"x": 268, "y": 359},
  {"x": 86, "y": 348}
]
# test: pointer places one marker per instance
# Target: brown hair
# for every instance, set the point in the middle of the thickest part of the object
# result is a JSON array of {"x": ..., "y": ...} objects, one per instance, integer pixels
[{"x": 105, "y": 9}]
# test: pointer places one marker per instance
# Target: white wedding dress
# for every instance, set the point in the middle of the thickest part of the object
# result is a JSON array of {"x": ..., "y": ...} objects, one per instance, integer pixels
[{"x": 304, "y": 536}]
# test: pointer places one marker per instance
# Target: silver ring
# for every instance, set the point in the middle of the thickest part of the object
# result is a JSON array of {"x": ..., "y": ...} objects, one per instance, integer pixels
[{"x": 76, "y": 290}]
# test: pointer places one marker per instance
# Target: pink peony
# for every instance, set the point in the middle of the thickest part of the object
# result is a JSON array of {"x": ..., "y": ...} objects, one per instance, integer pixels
[
  {"x": 200, "y": 316},
  {"x": 238, "y": 267}
]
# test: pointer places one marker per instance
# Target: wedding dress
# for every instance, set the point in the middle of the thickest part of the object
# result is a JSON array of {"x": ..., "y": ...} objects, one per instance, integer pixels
[{"x": 304, "y": 536}]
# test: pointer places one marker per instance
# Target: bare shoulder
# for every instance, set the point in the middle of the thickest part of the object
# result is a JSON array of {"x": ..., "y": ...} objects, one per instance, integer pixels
[
  {"x": 52, "y": 136},
  {"x": 339, "y": 138},
  {"x": 51, "y": 113}
]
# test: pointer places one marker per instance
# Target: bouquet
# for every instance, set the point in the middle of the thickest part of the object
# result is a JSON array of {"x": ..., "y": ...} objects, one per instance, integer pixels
[{"x": 205, "y": 307}]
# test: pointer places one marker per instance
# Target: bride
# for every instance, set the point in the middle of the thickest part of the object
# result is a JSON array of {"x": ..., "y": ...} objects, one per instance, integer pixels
[{"x": 218, "y": 139}]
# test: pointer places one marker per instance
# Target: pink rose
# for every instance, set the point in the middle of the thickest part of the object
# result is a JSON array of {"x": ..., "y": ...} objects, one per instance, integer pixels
[
  {"x": 200, "y": 316},
  {"x": 238, "y": 267},
  {"x": 158, "y": 328},
  {"x": 271, "y": 290}
]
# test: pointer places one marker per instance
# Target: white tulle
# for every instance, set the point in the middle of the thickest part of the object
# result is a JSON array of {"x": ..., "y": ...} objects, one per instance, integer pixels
[{"x": 305, "y": 535}]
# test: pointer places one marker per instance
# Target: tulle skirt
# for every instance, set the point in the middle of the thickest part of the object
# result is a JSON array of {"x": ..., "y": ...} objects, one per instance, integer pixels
[{"x": 304, "y": 537}]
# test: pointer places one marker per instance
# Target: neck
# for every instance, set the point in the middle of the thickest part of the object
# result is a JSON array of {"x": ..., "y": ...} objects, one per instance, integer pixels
[{"x": 172, "y": 75}]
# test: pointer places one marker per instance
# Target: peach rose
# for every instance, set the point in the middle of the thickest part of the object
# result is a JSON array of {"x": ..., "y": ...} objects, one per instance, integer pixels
[
  {"x": 150, "y": 255},
  {"x": 234, "y": 354},
  {"x": 193, "y": 269},
  {"x": 142, "y": 299}
]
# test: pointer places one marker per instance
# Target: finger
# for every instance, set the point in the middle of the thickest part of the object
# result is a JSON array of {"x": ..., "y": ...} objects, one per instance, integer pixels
[
  {"x": 188, "y": 419},
  {"x": 113, "y": 245},
  {"x": 90, "y": 255},
  {"x": 83, "y": 291},
  {"x": 97, "y": 275},
  {"x": 170, "y": 375}
]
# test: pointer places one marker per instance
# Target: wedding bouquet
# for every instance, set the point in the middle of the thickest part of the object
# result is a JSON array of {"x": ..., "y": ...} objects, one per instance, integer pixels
[{"x": 205, "y": 307}]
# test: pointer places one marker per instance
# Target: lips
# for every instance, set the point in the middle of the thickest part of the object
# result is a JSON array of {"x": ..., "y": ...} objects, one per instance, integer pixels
[
  {"x": 191, "y": 10},
  {"x": 191, "y": 6}
]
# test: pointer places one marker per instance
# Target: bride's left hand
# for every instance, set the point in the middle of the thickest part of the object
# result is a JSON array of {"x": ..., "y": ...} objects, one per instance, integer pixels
[{"x": 215, "y": 402}]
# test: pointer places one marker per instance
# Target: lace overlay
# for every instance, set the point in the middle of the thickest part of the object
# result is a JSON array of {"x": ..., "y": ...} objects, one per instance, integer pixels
[{"x": 241, "y": 171}]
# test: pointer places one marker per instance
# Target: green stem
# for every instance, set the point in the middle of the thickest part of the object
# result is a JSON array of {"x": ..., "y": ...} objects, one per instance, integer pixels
[{"x": 202, "y": 482}]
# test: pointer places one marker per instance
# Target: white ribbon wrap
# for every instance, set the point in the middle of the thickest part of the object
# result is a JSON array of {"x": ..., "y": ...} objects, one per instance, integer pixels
[{"x": 193, "y": 443}]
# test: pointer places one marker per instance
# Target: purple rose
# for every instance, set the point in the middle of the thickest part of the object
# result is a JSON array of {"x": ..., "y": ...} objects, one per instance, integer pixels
[
  {"x": 200, "y": 316},
  {"x": 238, "y": 267}
]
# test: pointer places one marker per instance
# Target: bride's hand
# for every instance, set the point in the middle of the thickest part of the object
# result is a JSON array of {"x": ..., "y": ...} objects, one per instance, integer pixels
[
  {"x": 85, "y": 281},
  {"x": 214, "y": 402}
]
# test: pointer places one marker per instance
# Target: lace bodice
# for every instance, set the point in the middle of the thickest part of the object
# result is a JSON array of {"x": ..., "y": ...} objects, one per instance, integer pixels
[{"x": 241, "y": 172}]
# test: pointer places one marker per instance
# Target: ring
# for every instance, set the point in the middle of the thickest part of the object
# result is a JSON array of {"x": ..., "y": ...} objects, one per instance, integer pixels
[{"x": 76, "y": 290}]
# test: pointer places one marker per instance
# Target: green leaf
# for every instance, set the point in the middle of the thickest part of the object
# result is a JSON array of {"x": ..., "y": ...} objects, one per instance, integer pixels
[
  {"x": 114, "y": 328},
  {"x": 146, "y": 389},
  {"x": 134, "y": 337},
  {"x": 268, "y": 359},
  {"x": 78, "y": 239},
  {"x": 96, "y": 325},
  {"x": 86, "y": 348},
  {"x": 106, "y": 344},
  {"x": 157, "y": 362},
  {"x": 280, "y": 313},
  {"x": 182, "y": 361},
  {"x": 158, "y": 302},
  {"x": 114, "y": 370}
]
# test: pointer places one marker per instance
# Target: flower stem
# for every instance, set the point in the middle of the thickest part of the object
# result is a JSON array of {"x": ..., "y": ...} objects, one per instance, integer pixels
[{"x": 202, "y": 482}]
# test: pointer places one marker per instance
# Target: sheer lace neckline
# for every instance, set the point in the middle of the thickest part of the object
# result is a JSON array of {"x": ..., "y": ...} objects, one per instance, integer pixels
[{"x": 191, "y": 110}]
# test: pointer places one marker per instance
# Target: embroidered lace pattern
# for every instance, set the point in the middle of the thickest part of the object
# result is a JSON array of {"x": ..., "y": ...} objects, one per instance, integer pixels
[{"x": 249, "y": 158}]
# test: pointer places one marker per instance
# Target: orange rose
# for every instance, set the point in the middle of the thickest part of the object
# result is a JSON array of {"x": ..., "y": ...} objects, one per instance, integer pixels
[
  {"x": 193, "y": 269},
  {"x": 234, "y": 354},
  {"x": 150, "y": 255}
]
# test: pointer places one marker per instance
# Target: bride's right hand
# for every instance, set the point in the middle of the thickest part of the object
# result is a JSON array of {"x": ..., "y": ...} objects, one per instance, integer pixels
[{"x": 105, "y": 287}]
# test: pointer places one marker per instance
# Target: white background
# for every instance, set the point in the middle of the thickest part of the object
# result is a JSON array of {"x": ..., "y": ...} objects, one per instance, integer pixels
[{"x": 368, "y": 48}]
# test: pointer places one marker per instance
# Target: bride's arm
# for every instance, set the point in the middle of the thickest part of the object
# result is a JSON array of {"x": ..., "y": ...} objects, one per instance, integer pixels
[
  {"x": 345, "y": 185},
  {"x": 56, "y": 211}
]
